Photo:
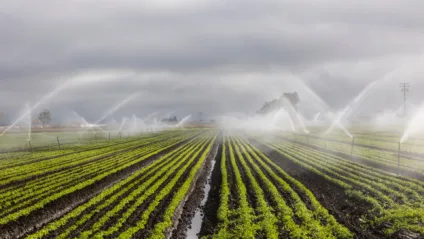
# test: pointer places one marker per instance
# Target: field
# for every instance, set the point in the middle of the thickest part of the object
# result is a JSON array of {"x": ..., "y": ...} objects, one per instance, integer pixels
[
  {"x": 53, "y": 139},
  {"x": 245, "y": 185}
]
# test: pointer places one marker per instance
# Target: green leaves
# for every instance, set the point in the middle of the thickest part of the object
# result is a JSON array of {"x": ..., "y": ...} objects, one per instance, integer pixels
[{"x": 394, "y": 200}]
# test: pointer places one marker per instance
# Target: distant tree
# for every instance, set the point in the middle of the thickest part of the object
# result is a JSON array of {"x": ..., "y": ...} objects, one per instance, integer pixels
[
  {"x": 44, "y": 117},
  {"x": 277, "y": 104},
  {"x": 293, "y": 98}
]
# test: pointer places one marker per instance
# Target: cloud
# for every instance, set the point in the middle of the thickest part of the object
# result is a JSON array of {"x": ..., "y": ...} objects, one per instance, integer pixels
[{"x": 214, "y": 56}]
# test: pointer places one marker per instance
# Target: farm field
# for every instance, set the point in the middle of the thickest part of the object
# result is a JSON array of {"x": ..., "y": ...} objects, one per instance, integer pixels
[
  {"x": 262, "y": 185},
  {"x": 53, "y": 140}
]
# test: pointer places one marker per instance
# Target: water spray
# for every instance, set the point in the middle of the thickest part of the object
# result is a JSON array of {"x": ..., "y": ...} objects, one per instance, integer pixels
[
  {"x": 351, "y": 108},
  {"x": 50, "y": 95},
  {"x": 30, "y": 146},
  {"x": 115, "y": 108},
  {"x": 124, "y": 121},
  {"x": 399, "y": 158},
  {"x": 40, "y": 102},
  {"x": 183, "y": 120},
  {"x": 28, "y": 107},
  {"x": 337, "y": 122}
]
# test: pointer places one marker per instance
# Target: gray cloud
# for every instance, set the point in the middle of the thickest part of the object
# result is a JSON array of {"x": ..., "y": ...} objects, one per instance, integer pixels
[{"x": 212, "y": 56}]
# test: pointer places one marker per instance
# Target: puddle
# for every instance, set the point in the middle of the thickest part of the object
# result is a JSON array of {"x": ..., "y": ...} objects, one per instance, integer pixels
[{"x": 196, "y": 222}]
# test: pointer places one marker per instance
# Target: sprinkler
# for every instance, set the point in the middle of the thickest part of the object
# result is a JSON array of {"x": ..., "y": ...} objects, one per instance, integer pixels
[
  {"x": 58, "y": 142},
  {"x": 29, "y": 144},
  {"x": 353, "y": 143}
]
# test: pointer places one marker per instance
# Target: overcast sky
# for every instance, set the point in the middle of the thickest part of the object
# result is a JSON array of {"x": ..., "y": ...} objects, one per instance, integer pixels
[{"x": 214, "y": 56}]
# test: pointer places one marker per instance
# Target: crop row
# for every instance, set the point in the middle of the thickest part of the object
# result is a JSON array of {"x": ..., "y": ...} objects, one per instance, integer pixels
[
  {"x": 267, "y": 201},
  {"x": 382, "y": 142},
  {"x": 147, "y": 198},
  {"x": 36, "y": 193},
  {"x": 373, "y": 155},
  {"x": 68, "y": 176},
  {"x": 394, "y": 199},
  {"x": 12, "y": 159},
  {"x": 20, "y": 171}
]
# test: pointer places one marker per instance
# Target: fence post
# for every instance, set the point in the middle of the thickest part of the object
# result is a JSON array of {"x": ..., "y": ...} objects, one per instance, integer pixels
[{"x": 58, "y": 142}]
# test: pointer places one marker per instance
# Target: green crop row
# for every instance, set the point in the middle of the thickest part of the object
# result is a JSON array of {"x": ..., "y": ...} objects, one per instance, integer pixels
[
  {"x": 316, "y": 223},
  {"x": 111, "y": 196},
  {"x": 373, "y": 155},
  {"x": 393, "y": 199},
  {"x": 40, "y": 188},
  {"x": 52, "y": 197},
  {"x": 180, "y": 196},
  {"x": 277, "y": 202},
  {"x": 24, "y": 171},
  {"x": 157, "y": 189}
]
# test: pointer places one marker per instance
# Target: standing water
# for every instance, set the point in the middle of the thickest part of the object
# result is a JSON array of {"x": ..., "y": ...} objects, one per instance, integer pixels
[{"x": 196, "y": 222}]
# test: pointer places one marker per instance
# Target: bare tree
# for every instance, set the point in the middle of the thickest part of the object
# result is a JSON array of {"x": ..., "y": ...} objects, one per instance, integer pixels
[{"x": 44, "y": 117}]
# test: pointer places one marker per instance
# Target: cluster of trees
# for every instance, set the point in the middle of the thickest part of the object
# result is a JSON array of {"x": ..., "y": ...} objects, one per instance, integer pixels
[
  {"x": 277, "y": 104},
  {"x": 44, "y": 117},
  {"x": 170, "y": 119}
]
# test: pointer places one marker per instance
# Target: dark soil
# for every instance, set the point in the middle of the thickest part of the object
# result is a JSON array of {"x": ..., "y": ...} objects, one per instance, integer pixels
[
  {"x": 196, "y": 197},
  {"x": 210, "y": 220},
  {"x": 157, "y": 215},
  {"x": 251, "y": 195},
  {"x": 82, "y": 179},
  {"x": 98, "y": 215},
  {"x": 55, "y": 209},
  {"x": 268, "y": 197},
  {"x": 348, "y": 212},
  {"x": 67, "y": 168}
]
